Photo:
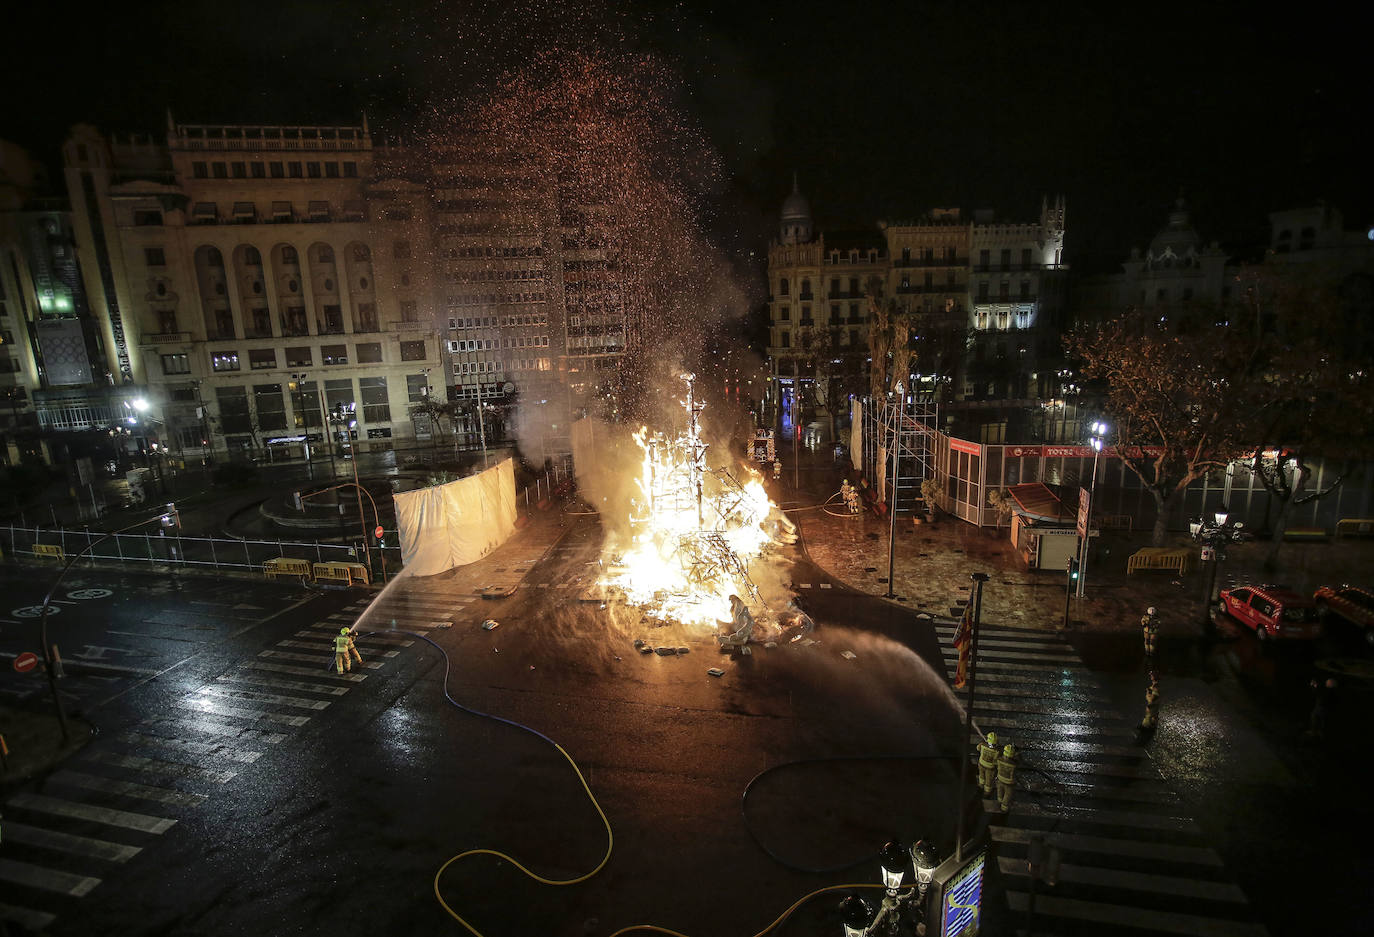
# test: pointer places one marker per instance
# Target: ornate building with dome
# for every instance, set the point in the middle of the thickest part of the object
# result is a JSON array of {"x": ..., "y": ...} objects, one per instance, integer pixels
[{"x": 984, "y": 297}]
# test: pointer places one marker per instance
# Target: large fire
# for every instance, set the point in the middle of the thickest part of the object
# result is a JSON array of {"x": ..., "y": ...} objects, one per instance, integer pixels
[{"x": 695, "y": 529}]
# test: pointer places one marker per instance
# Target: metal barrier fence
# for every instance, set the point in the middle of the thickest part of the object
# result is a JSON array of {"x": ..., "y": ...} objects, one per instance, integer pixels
[
  {"x": 57, "y": 544},
  {"x": 176, "y": 551}
]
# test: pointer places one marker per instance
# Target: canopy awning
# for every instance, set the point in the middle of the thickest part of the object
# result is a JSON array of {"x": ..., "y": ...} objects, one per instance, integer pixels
[{"x": 1052, "y": 504}]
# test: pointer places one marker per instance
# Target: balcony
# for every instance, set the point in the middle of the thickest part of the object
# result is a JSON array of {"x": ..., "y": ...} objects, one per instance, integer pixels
[{"x": 149, "y": 339}]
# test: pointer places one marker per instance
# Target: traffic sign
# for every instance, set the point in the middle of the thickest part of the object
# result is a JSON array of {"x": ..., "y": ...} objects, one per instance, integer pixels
[
  {"x": 378, "y": 532},
  {"x": 26, "y": 661}
]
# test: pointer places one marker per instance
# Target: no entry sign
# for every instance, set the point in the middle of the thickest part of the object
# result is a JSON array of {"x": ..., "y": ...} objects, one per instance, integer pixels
[{"x": 26, "y": 662}]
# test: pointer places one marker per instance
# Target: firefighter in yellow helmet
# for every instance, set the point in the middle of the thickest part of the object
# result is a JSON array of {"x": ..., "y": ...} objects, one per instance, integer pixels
[
  {"x": 987, "y": 762},
  {"x": 1151, "y": 704},
  {"x": 343, "y": 647},
  {"x": 1149, "y": 628},
  {"x": 1006, "y": 776}
]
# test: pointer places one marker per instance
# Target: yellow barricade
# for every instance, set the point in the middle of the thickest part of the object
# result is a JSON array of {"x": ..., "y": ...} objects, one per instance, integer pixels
[
  {"x": 334, "y": 572},
  {"x": 49, "y": 549},
  {"x": 1355, "y": 526},
  {"x": 1178, "y": 560},
  {"x": 357, "y": 572},
  {"x": 286, "y": 567}
]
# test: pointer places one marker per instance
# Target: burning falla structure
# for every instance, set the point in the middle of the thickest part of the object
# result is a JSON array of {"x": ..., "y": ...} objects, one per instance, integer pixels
[{"x": 694, "y": 529}]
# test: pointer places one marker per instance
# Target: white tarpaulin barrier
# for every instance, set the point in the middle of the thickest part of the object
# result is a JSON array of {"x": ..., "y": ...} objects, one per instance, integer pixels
[{"x": 458, "y": 523}]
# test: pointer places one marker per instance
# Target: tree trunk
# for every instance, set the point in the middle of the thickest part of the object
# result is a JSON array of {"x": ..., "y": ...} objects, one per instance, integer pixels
[
  {"x": 1161, "y": 527},
  {"x": 1271, "y": 555}
]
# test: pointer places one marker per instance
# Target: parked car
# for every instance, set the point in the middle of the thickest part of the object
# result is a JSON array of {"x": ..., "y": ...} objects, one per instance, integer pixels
[
  {"x": 1273, "y": 611},
  {"x": 1349, "y": 603}
]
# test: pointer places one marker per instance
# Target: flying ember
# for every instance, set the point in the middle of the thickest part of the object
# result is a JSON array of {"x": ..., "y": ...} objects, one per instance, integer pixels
[{"x": 694, "y": 529}]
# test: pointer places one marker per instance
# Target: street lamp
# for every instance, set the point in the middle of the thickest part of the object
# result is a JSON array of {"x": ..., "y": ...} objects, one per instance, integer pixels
[
  {"x": 298, "y": 386},
  {"x": 1099, "y": 430},
  {"x": 894, "y": 859},
  {"x": 344, "y": 417},
  {"x": 1213, "y": 534}
]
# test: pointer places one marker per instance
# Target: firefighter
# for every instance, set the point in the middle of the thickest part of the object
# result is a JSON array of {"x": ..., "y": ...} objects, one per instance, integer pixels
[
  {"x": 1151, "y": 704},
  {"x": 777, "y": 469},
  {"x": 851, "y": 497},
  {"x": 1149, "y": 627},
  {"x": 343, "y": 647},
  {"x": 1006, "y": 776},
  {"x": 987, "y": 762}
]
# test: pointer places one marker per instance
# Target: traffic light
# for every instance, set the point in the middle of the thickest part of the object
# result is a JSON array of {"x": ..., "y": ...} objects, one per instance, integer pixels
[{"x": 1073, "y": 569}]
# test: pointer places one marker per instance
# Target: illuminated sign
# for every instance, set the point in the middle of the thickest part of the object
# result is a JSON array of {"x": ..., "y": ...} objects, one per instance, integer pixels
[
  {"x": 962, "y": 899},
  {"x": 959, "y": 445}
]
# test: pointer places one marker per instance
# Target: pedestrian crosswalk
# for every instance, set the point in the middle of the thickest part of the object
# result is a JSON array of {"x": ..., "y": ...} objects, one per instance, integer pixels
[
  {"x": 1133, "y": 860},
  {"x": 122, "y": 794}
]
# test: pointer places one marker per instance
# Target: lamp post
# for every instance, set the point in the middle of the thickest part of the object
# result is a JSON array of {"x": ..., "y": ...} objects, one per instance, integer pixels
[
  {"x": 894, "y": 860},
  {"x": 481, "y": 423},
  {"x": 298, "y": 387},
  {"x": 1213, "y": 534},
  {"x": 1099, "y": 430},
  {"x": 892, "y": 502}
]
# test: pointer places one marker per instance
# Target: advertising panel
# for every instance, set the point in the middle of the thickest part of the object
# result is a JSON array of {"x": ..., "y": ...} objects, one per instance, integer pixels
[{"x": 961, "y": 896}]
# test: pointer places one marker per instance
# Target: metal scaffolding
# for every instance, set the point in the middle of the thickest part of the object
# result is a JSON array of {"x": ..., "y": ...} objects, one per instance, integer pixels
[{"x": 913, "y": 423}]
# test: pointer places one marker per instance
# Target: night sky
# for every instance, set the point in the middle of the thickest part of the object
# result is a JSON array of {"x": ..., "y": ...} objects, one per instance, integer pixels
[{"x": 884, "y": 110}]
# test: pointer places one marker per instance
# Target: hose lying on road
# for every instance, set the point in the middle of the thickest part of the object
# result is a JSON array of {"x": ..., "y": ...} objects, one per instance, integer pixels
[{"x": 610, "y": 837}]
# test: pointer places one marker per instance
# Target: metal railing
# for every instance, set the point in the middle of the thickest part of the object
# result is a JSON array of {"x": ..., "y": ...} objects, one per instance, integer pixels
[{"x": 174, "y": 551}]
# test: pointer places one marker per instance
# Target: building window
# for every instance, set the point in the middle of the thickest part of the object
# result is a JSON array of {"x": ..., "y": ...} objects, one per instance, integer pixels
[
  {"x": 376, "y": 406},
  {"x": 332, "y": 322},
  {"x": 369, "y": 352},
  {"x": 176, "y": 364},
  {"x": 239, "y": 170},
  {"x": 259, "y": 170},
  {"x": 276, "y": 169},
  {"x": 417, "y": 388},
  {"x": 312, "y": 169},
  {"x": 1025, "y": 257},
  {"x": 224, "y": 361},
  {"x": 412, "y": 351},
  {"x": 293, "y": 170},
  {"x": 331, "y": 170},
  {"x": 984, "y": 258},
  {"x": 148, "y": 218},
  {"x": 1025, "y": 289},
  {"x": 220, "y": 170},
  {"x": 334, "y": 354},
  {"x": 786, "y": 338},
  {"x": 260, "y": 359},
  {"x": 200, "y": 170},
  {"x": 233, "y": 410},
  {"x": 267, "y": 400},
  {"x": 982, "y": 292},
  {"x": 298, "y": 357},
  {"x": 367, "y": 318},
  {"x": 154, "y": 257},
  {"x": 784, "y": 288},
  {"x": 350, "y": 170},
  {"x": 785, "y": 313},
  {"x": 1004, "y": 292}
]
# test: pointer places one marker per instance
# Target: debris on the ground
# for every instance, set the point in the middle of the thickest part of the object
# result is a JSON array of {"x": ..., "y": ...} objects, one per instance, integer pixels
[
  {"x": 770, "y": 644},
  {"x": 684, "y": 650},
  {"x": 617, "y": 657},
  {"x": 665, "y": 651},
  {"x": 808, "y": 642},
  {"x": 491, "y": 624},
  {"x": 716, "y": 672},
  {"x": 643, "y": 647},
  {"x": 848, "y": 655},
  {"x": 923, "y": 616}
]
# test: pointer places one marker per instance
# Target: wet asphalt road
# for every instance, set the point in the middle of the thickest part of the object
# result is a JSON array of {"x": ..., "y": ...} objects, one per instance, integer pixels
[{"x": 339, "y": 822}]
